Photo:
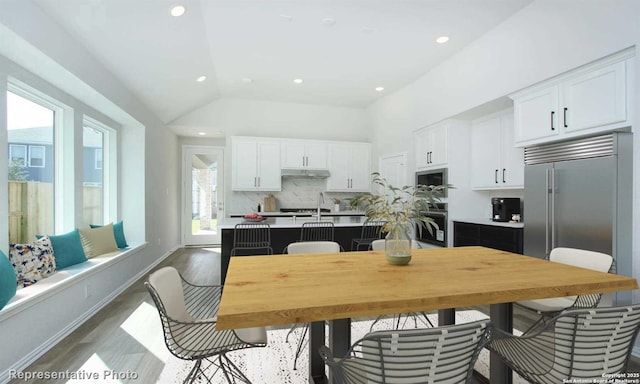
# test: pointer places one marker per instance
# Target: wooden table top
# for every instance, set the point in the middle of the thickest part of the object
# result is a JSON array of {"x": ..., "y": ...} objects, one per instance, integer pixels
[{"x": 284, "y": 289}]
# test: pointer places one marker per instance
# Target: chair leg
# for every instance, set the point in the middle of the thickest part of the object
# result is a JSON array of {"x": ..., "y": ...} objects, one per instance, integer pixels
[
  {"x": 193, "y": 373},
  {"x": 231, "y": 371},
  {"x": 301, "y": 344}
]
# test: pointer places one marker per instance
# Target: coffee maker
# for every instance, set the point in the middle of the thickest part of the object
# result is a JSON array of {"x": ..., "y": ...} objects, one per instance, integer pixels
[{"x": 503, "y": 208}]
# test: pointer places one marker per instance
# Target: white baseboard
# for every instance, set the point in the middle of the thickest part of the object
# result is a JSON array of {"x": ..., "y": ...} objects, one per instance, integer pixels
[{"x": 30, "y": 358}]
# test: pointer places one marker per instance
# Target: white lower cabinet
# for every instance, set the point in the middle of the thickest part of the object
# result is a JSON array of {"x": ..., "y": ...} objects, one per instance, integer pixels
[
  {"x": 349, "y": 166},
  {"x": 255, "y": 164},
  {"x": 495, "y": 161}
]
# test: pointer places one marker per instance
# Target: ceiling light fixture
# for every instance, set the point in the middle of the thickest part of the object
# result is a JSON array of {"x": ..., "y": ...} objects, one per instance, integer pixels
[
  {"x": 201, "y": 79},
  {"x": 247, "y": 80},
  {"x": 178, "y": 10},
  {"x": 442, "y": 39},
  {"x": 202, "y": 133},
  {"x": 298, "y": 81},
  {"x": 328, "y": 22},
  {"x": 379, "y": 89}
]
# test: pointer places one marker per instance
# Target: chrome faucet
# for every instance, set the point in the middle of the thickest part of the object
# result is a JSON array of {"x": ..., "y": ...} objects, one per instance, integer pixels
[{"x": 320, "y": 201}]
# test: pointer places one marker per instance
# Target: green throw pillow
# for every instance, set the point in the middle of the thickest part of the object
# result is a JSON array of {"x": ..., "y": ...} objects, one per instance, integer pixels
[
  {"x": 67, "y": 249},
  {"x": 8, "y": 280},
  {"x": 118, "y": 233}
]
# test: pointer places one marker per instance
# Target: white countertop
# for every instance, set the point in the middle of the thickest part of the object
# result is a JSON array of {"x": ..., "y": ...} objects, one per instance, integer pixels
[
  {"x": 290, "y": 222},
  {"x": 490, "y": 222},
  {"x": 297, "y": 214}
]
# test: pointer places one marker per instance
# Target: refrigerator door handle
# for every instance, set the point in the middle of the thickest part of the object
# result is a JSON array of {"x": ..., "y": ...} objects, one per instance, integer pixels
[
  {"x": 553, "y": 208},
  {"x": 547, "y": 251}
]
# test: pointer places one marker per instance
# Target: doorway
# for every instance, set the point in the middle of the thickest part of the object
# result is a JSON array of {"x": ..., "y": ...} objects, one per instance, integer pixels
[{"x": 202, "y": 194}]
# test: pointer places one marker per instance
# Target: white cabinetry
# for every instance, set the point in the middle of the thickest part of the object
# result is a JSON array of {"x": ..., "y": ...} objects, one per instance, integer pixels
[
  {"x": 431, "y": 146},
  {"x": 586, "y": 101},
  {"x": 495, "y": 161},
  {"x": 302, "y": 154},
  {"x": 350, "y": 167},
  {"x": 255, "y": 164}
]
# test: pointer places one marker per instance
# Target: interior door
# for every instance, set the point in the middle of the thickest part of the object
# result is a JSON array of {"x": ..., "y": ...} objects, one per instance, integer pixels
[{"x": 202, "y": 194}]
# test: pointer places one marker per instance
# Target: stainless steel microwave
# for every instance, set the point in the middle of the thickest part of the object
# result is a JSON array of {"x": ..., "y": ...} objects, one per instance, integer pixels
[{"x": 433, "y": 177}]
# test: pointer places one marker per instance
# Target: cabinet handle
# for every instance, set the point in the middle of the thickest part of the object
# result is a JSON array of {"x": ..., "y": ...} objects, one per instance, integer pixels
[
  {"x": 565, "y": 117},
  {"x": 429, "y": 157},
  {"x": 258, "y": 181},
  {"x": 495, "y": 176},
  {"x": 255, "y": 181},
  {"x": 552, "y": 114},
  {"x": 503, "y": 171}
]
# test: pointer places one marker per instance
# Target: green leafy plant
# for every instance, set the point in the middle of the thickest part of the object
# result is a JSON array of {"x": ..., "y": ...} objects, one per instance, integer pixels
[{"x": 398, "y": 208}]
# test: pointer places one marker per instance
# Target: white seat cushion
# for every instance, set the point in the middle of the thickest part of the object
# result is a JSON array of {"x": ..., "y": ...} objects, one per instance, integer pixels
[
  {"x": 256, "y": 335},
  {"x": 553, "y": 304}
]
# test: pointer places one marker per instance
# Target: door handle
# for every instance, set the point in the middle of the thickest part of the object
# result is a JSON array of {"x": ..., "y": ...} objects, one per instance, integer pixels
[
  {"x": 553, "y": 208},
  {"x": 503, "y": 171},
  {"x": 565, "y": 117},
  {"x": 495, "y": 176},
  {"x": 552, "y": 114},
  {"x": 546, "y": 213}
]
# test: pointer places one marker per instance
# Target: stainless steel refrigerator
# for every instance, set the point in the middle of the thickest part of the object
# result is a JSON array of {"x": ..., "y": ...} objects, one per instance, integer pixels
[{"x": 578, "y": 194}]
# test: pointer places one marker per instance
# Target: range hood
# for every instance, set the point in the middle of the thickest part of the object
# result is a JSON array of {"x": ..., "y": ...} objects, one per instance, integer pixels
[{"x": 308, "y": 173}]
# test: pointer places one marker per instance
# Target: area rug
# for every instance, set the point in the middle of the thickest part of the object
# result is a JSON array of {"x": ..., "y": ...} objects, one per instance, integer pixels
[{"x": 274, "y": 363}]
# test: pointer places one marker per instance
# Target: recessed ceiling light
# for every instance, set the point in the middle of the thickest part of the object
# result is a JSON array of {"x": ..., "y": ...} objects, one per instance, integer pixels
[
  {"x": 298, "y": 81},
  {"x": 379, "y": 89},
  {"x": 178, "y": 10},
  {"x": 202, "y": 133},
  {"x": 328, "y": 22},
  {"x": 247, "y": 80},
  {"x": 201, "y": 79},
  {"x": 442, "y": 39},
  {"x": 367, "y": 30},
  {"x": 287, "y": 18}
]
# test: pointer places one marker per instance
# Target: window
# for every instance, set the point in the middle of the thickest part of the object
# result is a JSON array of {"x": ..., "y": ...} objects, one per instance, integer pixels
[
  {"x": 36, "y": 156},
  {"x": 31, "y": 186},
  {"x": 18, "y": 153},
  {"x": 98, "y": 193}
]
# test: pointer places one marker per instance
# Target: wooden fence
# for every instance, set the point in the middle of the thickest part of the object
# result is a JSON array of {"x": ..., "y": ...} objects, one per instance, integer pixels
[{"x": 31, "y": 209}]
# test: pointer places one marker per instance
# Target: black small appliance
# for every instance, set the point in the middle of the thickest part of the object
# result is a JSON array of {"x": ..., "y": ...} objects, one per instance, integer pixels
[{"x": 504, "y": 207}]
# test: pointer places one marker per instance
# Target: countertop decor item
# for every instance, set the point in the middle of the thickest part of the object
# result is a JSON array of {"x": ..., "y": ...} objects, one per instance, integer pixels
[{"x": 400, "y": 208}]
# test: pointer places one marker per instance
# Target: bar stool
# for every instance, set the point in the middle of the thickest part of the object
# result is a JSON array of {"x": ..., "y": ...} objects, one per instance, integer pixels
[
  {"x": 317, "y": 231},
  {"x": 371, "y": 231},
  {"x": 251, "y": 238}
]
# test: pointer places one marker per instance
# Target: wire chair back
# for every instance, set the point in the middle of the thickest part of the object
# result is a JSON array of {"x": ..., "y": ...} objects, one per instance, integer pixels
[
  {"x": 433, "y": 355},
  {"x": 251, "y": 238},
  {"x": 582, "y": 344},
  {"x": 317, "y": 231}
]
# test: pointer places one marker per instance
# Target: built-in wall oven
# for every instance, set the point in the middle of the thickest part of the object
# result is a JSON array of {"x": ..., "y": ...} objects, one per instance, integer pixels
[{"x": 437, "y": 236}]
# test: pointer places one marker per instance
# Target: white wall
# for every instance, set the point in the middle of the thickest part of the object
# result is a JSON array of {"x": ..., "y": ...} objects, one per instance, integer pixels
[{"x": 543, "y": 40}]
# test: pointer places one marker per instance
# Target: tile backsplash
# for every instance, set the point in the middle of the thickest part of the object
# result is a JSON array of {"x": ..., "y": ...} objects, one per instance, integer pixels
[{"x": 296, "y": 193}]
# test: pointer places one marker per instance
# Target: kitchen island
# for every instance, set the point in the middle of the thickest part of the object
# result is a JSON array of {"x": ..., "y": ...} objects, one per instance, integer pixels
[{"x": 286, "y": 230}]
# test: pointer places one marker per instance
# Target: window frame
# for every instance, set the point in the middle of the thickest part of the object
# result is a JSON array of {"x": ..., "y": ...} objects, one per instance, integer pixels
[{"x": 109, "y": 166}]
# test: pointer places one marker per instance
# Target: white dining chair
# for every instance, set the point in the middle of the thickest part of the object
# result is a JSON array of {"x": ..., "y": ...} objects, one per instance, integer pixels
[
  {"x": 547, "y": 308},
  {"x": 303, "y": 247}
]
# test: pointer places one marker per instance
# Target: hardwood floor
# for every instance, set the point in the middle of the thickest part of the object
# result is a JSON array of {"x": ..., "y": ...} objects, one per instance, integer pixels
[{"x": 125, "y": 336}]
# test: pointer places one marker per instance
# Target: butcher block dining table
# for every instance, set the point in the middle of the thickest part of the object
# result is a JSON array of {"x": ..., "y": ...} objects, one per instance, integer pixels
[{"x": 286, "y": 289}]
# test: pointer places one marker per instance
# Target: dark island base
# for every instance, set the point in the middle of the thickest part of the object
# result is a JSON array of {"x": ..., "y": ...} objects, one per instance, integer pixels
[{"x": 280, "y": 238}]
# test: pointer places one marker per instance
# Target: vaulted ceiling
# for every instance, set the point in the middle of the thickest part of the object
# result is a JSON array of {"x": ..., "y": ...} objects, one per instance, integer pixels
[{"x": 254, "y": 49}]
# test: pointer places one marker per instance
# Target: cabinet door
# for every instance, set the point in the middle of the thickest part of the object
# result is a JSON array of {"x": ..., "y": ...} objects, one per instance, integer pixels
[
  {"x": 595, "y": 99},
  {"x": 316, "y": 155},
  {"x": 438, "y": 145},
  {"x": 512, "y": 171},
  {"x": 293, "y": 155},
  {"x": 536, "y": 114},
  {"x": 244, "y": 165},
  {"x": 360, "y": 168},
  {"x": 486, "y": 140},
  {"x": 338, "y": 167},
  {"x": 268, "y": 164},
  {"x": 422, "y": 148}
]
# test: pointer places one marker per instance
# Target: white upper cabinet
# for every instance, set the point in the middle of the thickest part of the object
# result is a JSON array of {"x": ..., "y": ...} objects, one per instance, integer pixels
[
  {"x": 431, "y": 146},
  {"x": 302, "y": 154},
  {"x": 350, "y": 167},
  {"x": 255, "y": 164},
  {"x": 495, "y": 161},
  {"x": 586, "y": 101}
]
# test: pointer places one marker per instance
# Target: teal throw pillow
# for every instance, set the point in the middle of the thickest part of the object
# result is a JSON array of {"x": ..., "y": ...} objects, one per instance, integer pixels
[
  {"x": 118, "y": 233},
  {"x": 8, "y": 280},
  {"x": 67, "y": 249}
]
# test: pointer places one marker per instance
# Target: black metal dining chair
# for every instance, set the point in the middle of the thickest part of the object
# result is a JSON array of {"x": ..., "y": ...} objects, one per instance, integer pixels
[{"x": 251, "y": 239}]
